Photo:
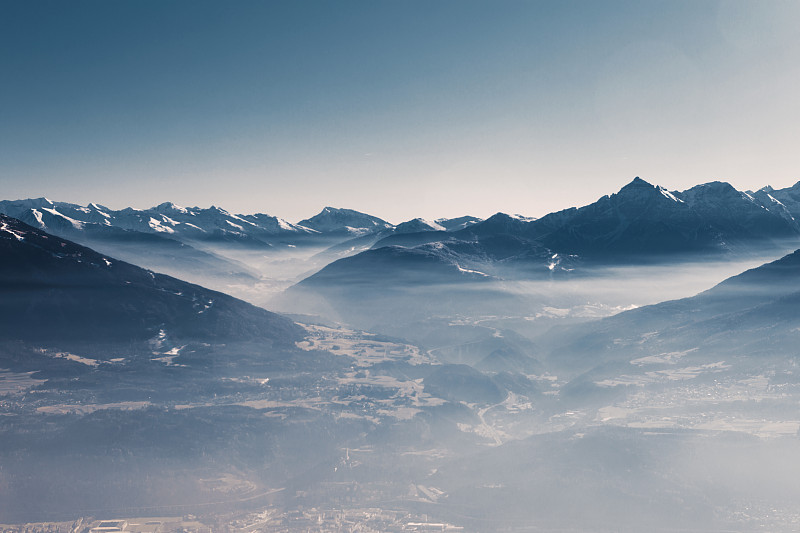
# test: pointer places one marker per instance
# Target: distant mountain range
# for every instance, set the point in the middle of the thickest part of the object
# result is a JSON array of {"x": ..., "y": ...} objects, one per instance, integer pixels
[
  {"x": 201, "y": 244},
  {"x": 643, "y": 220},
  {"x": 211, "y": 224},
  {"x": 167, "y": 219},
  {"x": 640, "y": 223}
]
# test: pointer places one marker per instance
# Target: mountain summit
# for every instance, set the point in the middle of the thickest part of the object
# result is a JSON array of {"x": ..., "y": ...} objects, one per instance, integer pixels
[{"x": 346, "y": 221}]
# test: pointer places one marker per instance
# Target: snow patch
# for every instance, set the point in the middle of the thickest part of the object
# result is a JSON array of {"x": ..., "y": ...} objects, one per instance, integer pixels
[
  {"x": 433, "y": 225},
  {"x": 356, "y": 231},
  {"x": 285, "y": 225},
  {"x": 18, "y": 236},
  {"x": 158, "y": 341},
  {"x": 240, "y": 219},
  {"x": 38, "y": 216},
  {"x": 77, "y": 224},
  {"x": 774, "y": 200},
  {"x": 168, "y": 357},
  {"x": 156, "y": 225},
  {"x": 468, "y": 271},
  {"x": 99, "y": 210},
  {"x": 669, "y": 195},
  {"x": 70, "y": 357},
  {"x": 178, "y": 208}
]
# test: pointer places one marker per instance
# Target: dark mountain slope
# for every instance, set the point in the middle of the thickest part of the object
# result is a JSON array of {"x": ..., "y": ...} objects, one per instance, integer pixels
[
  {"x": 395, "y": 264},
  {"x": 643, "y": 220},
  {"x": 56, "y": 290},
  {"x": 789, "y": 198},
  {"x": 753, "y": 315}
]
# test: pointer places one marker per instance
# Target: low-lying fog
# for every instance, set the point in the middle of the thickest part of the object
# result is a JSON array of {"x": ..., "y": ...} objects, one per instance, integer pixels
[{"x": 459, "y": 413}]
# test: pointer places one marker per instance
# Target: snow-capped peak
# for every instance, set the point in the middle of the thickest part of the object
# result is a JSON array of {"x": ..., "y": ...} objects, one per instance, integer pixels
[
  {"x": 169, "y": 206},
  {"x": 417, "y": 225}
]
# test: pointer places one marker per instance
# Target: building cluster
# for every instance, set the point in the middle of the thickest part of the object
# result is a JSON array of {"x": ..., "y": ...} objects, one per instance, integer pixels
[
  {"x": 310, "y": 520},
  {"x": 313, "y": 520}
]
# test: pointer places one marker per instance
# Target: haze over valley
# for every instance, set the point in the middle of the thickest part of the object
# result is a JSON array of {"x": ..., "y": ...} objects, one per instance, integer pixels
[
  {"x": 441, "y": 265},
  {"x": 599, "y": 368}
]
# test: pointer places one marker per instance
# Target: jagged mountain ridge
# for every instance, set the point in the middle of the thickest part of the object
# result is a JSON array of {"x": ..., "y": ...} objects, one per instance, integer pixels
[
  {"x": 641, "y": 222},
  {"x": 646, "y": 220},
  {"x": 166, "y": 219},
  {"x": 788, "y": 198},
  {"x": 195, "y": 224},
  {"x": 407, "y": 234},
  {"x": 606, "y": 220}
]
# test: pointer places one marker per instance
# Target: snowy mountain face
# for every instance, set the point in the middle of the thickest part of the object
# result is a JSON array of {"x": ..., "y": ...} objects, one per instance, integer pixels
[
  {"x": 455, "y": 224},
  {"x": 345, "y": 221},
  {"x": 213, "y": 247},
  {"x": 407, "y": 234},
  {"x": 418, "y": 224},
  {"x": 167, "y": 219},
  {"x": 645, "y": 220},
  {"x": 740, "y": 213},
  {"x": 783, "y": 200}
]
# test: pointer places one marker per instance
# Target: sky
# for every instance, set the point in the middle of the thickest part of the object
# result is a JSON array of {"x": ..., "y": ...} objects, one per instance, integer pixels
[{"x": 401, "y": 109}]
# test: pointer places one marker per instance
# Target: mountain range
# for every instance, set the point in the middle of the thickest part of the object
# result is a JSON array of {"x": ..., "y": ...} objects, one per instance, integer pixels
[
  {"x": 128, "y": 385},
  {"x": 212, "y": 246},
  {"x": 213, "y": 224},
  {"x": 640, "y": 223}
]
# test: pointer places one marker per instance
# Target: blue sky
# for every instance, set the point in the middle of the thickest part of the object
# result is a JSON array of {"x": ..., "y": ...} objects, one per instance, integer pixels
[{"x": 398, "y": 108}]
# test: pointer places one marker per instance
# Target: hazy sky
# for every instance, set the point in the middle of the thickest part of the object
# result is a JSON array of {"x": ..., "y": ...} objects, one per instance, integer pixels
[{"x": 397, "y": 108}]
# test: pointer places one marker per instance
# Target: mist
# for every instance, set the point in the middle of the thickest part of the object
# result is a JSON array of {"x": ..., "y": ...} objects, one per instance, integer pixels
[{"x": 434, "y": 387}]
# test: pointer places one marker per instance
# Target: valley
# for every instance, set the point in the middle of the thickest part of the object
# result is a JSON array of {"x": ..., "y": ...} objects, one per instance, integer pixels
[{"x": 466, "y": 376}]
